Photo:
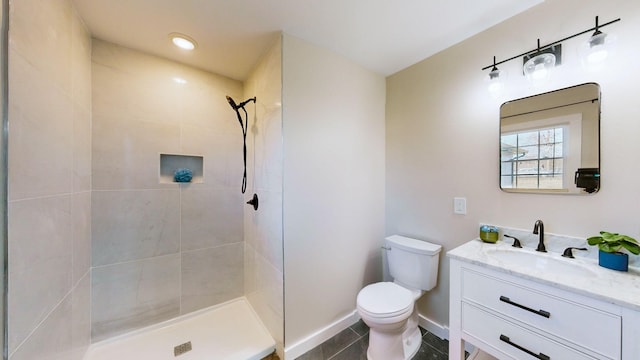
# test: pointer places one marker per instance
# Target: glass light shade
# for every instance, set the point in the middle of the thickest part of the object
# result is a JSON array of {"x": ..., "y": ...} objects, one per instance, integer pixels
[
  {"x": 539, "y": 67},
  {"x": 596, "y": 50},
  {"x": 495, "y": 82}
]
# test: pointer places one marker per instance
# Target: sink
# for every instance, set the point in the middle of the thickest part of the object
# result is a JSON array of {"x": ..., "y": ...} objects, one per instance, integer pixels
[{"x": 523, "y": 259}]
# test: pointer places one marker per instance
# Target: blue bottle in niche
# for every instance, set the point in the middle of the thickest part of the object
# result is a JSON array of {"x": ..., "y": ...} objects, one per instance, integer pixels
[{"x": 183, "y": 175}]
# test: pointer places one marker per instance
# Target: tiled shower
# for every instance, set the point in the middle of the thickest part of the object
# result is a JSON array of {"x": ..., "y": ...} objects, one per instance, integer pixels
[{"x": 99, "y": 243}]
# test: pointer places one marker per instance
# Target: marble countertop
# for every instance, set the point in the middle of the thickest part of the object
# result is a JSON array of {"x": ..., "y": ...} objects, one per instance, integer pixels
[{"x": 589, "y": 279}]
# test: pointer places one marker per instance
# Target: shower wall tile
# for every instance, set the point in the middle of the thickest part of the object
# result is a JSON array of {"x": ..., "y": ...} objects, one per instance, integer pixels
[
  {"x": 222, "y": 153},
  {"x": 211, "y": 217},
  {"x": 263, "y": 229},
  {"x": 141, "y": 98},
  {"x": 132, "y": 225},
  {"x": 52, "y": 339},
  {"x": 249, "y": 269},
  {"x": 126, "y": 152},
  {"x": 40, "y": 261},
  {"x": 139, "y": 66},
  {"x": 81, "y": 233},
  {"x": 131, "y": 295},
  {"x": 81, "y": 149},
  {"x": 41, "y": 32},
  {"x": 267, "y": 297},
  {"x": 41, "y": 156},
  {"x": 268, "y": 153},
  {"x": 140, "y": 84},
  {"x": 65, "y": 333},
  {"x": 81, "y": 318},
  {"x": 269, "y": 282},
  {"x": 212, "y": 276},
  {"x": 204, "y": 102},
  {"x": 80, "y": 63},
  {"x": 266, "y": 83},
  {"x": 268, "y": 228},
  {"x": 49, "y": 180}
]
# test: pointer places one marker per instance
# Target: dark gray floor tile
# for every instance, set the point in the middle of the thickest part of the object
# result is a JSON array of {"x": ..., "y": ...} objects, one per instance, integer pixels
[
  {"x": 427, "y": 352},
  {"x": 352, "y": 344},
  {"x": 441, "y": 345},
  {"x": 355, "y": 351},
  {"x": 313, "y": 354},
  {"x": 332, "y": 346},
  {"x": 360, "y": 328}
]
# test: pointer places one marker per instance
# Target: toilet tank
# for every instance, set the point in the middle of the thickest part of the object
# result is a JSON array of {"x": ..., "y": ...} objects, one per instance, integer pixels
[{"x": 413, "y": 263}]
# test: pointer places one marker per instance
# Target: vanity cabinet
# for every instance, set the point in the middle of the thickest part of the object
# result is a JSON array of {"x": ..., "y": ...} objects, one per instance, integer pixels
[{"x": 512, "y": 317}]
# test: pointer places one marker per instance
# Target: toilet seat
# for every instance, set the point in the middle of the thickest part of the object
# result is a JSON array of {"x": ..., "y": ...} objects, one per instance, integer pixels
[{"x": 385, "y": 300}]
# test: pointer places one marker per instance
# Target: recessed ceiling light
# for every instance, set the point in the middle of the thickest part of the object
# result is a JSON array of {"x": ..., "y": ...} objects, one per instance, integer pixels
[{"x": 183, "y": 41}]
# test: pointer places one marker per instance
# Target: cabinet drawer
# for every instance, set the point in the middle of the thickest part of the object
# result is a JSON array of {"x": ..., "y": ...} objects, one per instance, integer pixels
[
  {"x": 562, "y": 318},
  {"x": 513, "y": 340}
]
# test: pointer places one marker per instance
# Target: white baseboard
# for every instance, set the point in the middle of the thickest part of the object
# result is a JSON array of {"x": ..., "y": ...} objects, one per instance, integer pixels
[
  {"x": 439, "y": 330},
  {"x": 433, "y": 327},
  {"x": 320, "y": 336}
]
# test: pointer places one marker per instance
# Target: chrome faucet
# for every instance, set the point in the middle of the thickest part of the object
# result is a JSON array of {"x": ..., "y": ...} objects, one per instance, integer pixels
[{"x": 538, "y": 228}]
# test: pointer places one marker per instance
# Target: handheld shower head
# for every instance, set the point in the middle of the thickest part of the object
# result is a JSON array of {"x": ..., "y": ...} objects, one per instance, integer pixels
[
  {"x": 243, "y": 124},
  {"x": 241, "y": 105},
  {"x": 232, "y": 103}
]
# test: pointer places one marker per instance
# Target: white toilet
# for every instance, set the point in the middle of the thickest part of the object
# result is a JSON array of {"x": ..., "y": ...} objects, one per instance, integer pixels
[{"x": 388, "y": 307}]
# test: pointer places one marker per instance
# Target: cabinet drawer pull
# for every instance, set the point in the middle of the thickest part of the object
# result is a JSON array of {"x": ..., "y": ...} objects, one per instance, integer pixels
[
  {"x": 540, "y": 356},
  {"x": 538, "y": 312}
]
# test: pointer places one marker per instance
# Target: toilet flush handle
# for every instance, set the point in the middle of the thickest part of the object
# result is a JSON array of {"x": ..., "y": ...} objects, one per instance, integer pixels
[{"x": 385, "y": 248}]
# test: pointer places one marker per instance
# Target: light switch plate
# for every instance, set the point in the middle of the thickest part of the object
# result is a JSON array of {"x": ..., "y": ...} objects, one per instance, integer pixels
[{"x": 459, "y": 205}]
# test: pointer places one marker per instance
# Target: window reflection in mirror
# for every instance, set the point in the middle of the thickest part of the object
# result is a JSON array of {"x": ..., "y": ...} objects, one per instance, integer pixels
[{"x": 545, "y": 139}]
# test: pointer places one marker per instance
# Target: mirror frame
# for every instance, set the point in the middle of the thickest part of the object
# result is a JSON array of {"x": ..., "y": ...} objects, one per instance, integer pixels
[{"x": 551, "y": 97}]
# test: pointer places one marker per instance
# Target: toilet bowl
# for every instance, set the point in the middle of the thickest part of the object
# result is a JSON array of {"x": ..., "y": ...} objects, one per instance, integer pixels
[{"x": 388, "y": 308}]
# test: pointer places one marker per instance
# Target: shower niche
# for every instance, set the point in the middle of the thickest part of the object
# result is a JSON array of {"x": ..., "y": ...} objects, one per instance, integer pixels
[{"x": 169, "y": 163}]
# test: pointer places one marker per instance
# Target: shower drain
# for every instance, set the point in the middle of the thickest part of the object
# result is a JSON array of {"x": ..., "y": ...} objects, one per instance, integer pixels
[{"x": 182, "y": 348}]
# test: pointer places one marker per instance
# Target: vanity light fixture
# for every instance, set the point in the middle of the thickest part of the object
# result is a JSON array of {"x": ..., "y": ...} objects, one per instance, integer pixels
[
  {"x": 537, "y": 66},
  {"x": 597, "y": 48},
  {"x": 495, "y": 80},
  {"x": 539, "y": 61},
  {"x": 183, "y": 41}
]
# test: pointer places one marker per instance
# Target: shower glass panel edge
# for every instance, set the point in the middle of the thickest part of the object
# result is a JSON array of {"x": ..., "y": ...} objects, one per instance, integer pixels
[{"x": 4, "y": 36}]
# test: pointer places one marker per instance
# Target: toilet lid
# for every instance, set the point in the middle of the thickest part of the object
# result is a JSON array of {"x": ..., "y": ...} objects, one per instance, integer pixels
[{"x": 385, "y": 298}]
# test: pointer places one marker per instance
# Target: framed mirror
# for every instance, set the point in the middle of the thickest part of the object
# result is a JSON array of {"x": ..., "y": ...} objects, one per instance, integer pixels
[{"x": 550, "y": 143}]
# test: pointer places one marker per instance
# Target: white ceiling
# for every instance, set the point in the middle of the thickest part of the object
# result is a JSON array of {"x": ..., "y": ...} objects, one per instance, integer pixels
[{"x": 382, "y": 35}]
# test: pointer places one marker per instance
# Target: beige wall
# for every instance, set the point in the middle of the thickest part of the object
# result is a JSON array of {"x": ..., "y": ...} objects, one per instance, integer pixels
[
  {"x": 161, "y": 249},
  {"x": 49, "y": 181},
  {"x": 333, "y": 131},
  {"x": 442, "y": 135},
  {"x": 263, "y": 228}
]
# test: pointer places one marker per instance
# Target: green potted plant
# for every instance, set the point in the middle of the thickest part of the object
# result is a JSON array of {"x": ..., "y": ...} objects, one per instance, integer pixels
[{"x": 610, "y": 245}]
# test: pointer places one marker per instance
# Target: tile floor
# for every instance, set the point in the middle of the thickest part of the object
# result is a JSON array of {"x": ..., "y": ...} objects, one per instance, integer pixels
[{"x": 352, "y": 343}]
